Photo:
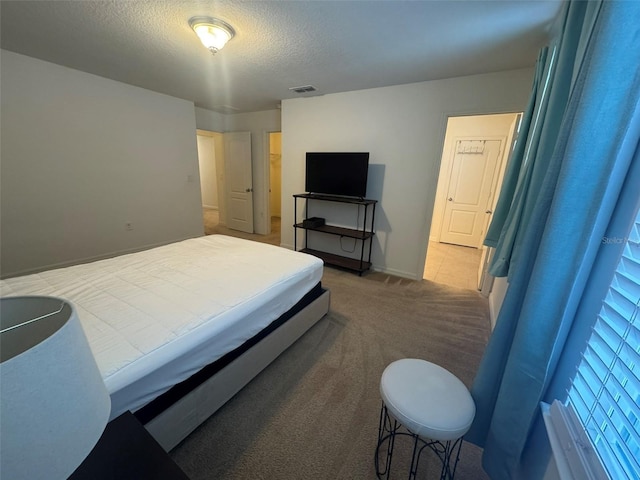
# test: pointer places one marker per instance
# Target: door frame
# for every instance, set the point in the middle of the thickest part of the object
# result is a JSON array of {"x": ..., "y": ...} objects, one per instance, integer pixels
[
  {"x": 218, "y": 139},
  {"x": 443, "y": 166}
]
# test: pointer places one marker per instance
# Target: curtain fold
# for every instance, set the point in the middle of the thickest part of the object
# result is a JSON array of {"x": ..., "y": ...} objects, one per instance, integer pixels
[
  {"x": 516, "y": 161},
  {"x": 565, "y": 196},
  {"x": 560, "y": 68}
]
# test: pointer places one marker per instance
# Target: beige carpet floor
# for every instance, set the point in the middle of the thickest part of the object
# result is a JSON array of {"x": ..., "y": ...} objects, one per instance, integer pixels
[{"x": 313, "y": 413}]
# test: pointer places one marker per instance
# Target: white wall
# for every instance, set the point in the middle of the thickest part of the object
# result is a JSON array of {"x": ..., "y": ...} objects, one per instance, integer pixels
[
  {"x": 82, "y": 156},
  {"x": 208, "y": 120},
  {"x": 403, "y": 128},
  {"x": 496, "y": 298}
]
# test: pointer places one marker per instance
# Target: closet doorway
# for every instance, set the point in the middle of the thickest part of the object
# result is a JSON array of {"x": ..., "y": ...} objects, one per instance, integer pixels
[{"x": 275, "y": 182}]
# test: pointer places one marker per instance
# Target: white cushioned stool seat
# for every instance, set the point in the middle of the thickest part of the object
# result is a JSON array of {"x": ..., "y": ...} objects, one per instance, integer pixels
[
  {"x": 429, "y": 405},
  {"x": 427, "y": 399}
]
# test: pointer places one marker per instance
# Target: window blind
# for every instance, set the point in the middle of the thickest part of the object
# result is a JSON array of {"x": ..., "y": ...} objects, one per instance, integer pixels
[{"x": 605, "y": 391}]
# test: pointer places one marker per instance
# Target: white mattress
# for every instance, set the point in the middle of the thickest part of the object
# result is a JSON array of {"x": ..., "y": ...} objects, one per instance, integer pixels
[{"x": 154, "y": 318}]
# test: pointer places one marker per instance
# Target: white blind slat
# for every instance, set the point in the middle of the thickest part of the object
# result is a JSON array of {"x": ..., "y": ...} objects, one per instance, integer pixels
[
  {"x": 605, "y": 391},
  {"x": 609, "y": 428}
]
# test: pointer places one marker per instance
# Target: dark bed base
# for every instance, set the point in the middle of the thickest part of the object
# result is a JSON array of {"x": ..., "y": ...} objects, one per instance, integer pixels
[{"x": 183, "y": 402}]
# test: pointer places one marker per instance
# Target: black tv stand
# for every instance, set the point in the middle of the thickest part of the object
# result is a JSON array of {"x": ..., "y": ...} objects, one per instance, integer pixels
[{"x": 363, "y": 234}]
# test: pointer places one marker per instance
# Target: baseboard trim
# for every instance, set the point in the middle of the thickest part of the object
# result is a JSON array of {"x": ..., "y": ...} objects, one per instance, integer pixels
[{"x": 396, "y": 273}]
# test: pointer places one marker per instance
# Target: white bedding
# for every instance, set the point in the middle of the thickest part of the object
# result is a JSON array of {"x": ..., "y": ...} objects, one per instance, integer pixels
[{"x": 154, "y": 318}]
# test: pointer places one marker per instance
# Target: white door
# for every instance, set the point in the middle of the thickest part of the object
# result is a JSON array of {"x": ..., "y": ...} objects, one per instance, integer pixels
[
  {"x": 239, "y": 181},
  {"x": 469, "y": 194}
]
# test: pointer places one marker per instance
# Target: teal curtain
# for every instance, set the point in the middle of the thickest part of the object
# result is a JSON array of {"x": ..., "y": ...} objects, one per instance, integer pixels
[
  {"x": 529, "y": 164},
  {"x": 565, "y": 195},
  {"x": 517, "y": 158}
]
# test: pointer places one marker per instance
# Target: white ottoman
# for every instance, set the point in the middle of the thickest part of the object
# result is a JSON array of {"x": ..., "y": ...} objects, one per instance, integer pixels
[{"x": 428, "y": 403}]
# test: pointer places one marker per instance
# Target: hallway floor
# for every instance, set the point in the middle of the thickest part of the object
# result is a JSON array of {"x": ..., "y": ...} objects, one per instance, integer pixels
[{"x": 452, "y": 265}]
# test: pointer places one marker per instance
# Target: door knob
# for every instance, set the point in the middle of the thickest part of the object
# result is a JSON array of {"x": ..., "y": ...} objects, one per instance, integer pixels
[
  {"x": 488, "y": 211},
  {"x": 450, "y": 199},
  {"x": 249, "y": 190}
]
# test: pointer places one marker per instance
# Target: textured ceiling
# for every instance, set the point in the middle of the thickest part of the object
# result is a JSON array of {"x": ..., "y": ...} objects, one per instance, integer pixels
[{"x": 336, "y": 46}]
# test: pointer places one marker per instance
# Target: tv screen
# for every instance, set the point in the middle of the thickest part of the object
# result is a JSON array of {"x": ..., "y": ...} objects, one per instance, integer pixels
[{"x": 337, "y": 173}]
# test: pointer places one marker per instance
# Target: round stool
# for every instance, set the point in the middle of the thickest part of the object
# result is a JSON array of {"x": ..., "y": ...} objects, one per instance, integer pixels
[{"x": 427, "y": 403}]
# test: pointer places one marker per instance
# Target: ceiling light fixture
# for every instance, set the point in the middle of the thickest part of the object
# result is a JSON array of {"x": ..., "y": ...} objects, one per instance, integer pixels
[{"x": 213, "y": 33}]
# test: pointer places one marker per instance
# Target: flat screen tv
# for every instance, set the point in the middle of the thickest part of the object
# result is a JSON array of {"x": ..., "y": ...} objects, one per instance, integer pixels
[{"x": 337, "y": 173}]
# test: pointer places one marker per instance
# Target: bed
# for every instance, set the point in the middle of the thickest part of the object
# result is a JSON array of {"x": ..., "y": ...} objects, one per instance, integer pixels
[{"x": 177, "y": 330}]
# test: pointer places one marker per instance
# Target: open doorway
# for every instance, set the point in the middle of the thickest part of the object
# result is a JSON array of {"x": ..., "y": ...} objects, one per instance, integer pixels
[
  {"x": 474, "y": 157},
  {"x": 211, "y": 162},
  {"x": 275, "y": 184},
  {"x": 216, "y": 174},
  {"x": 225, "y": 181}
]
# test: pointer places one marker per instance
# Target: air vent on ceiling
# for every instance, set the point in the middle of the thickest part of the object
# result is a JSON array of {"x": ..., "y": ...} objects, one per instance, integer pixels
[{"x": 303, "y": 89}]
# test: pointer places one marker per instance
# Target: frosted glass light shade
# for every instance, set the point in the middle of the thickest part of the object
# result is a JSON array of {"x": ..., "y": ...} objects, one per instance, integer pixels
[
  {"x": 53, "y": 403},
  {"x": 213, "y": 33}
]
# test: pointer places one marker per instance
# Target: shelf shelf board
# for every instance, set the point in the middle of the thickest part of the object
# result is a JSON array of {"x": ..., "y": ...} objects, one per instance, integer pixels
[
  {"x": 339, "y": 261},
  {"x": 336, "y": 198},
  {"x": 333, "y": 230}
]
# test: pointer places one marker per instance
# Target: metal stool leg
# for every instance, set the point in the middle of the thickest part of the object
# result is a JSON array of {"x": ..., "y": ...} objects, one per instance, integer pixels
[
  {"x": 447, "y": 452},
  {"x": 386, "y": 432},
  {"x": 418, "y": 446},
  {"x": 448, "y": 471}
]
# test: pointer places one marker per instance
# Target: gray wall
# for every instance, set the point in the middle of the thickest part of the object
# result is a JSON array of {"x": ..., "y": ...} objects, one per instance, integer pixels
[
  {"x": 403, "y": 128},
  {"x": 82, "y": 156}
]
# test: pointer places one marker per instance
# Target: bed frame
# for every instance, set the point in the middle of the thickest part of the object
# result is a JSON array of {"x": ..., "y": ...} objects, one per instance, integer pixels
[{"x": 174, "y": 415}]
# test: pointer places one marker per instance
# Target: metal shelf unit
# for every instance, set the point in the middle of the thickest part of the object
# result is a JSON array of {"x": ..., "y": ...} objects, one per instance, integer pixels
[{"x": 364, "y": 235}]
